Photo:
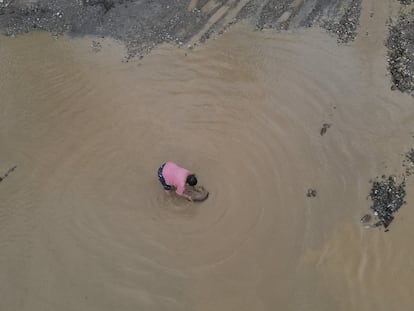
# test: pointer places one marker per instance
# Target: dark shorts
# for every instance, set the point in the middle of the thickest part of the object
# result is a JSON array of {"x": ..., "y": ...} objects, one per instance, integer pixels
[{"x": 161, "y": 178}]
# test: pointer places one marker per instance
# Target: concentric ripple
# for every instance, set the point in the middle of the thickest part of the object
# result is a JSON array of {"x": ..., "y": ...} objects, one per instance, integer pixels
[{"x": 244, "y": 113}]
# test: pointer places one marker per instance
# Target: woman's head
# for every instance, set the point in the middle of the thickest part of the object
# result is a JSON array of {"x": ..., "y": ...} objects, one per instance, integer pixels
[{"x": 191, "y": 180}]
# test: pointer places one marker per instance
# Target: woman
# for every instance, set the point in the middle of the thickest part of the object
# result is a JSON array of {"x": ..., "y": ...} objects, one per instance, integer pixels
[{"x": 171, "y": 176}]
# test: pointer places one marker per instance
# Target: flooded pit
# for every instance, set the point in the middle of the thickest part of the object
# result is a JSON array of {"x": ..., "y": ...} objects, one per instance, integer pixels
[{"x": 85, "y": 225}]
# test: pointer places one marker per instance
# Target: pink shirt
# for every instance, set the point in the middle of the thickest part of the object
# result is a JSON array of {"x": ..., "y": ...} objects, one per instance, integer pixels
[{"x": 175, "y": 176}]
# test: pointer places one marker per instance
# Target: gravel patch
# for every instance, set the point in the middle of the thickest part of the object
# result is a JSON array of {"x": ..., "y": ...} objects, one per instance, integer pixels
[{"x": 400, "y": 44}]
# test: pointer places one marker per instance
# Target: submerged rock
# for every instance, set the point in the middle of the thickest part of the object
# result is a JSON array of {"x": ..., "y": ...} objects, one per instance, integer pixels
[
  {"x": 366, "y": 218},
  {"x": 324, "y": 128},
  {"x": 311, "y": 193},
  {"x": 7, "y": 173}
]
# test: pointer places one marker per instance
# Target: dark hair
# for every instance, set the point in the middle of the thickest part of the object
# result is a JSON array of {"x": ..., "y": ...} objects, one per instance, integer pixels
[{"x": 191, "y": 180}]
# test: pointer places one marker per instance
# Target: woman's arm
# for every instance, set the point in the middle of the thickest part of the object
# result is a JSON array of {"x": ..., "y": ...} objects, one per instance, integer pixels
[{"x": 189, "y": 198}]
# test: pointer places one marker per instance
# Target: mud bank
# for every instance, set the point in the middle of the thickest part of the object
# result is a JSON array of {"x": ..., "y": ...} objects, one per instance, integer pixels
[{"x": 143, "y": 24}]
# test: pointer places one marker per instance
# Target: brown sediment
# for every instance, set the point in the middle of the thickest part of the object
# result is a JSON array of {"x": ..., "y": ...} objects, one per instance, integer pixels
[
  {"x": 85, "y": 225},
  {"x": 244, "y": 112}
]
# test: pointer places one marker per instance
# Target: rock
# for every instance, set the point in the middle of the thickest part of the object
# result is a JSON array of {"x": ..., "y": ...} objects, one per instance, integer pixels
[
  {"x": 366, "y": 218},
  {"x": 324, "y": 128},
  {"x": 311, "y": 193}
]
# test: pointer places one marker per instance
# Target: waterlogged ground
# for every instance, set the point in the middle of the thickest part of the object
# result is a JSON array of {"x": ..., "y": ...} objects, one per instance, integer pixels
[{"x": 262, "y": 117}]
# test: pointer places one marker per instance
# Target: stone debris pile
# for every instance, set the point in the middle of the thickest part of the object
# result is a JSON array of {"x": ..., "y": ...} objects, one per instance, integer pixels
[{"x": 387, "y": 197}]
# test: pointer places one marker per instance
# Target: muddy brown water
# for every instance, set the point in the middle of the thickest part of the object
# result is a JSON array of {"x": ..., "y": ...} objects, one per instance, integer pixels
[{"x": 85, "y": 225}]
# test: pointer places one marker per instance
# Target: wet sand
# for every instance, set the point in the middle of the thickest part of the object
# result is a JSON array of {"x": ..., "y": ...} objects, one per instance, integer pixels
[{"x": 85, "y": 225}]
